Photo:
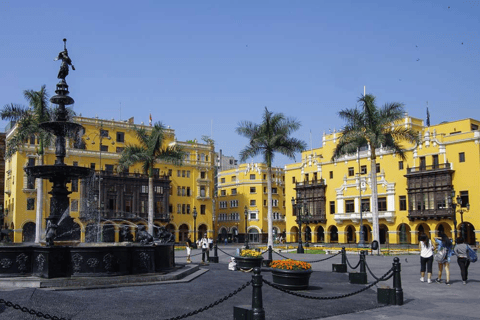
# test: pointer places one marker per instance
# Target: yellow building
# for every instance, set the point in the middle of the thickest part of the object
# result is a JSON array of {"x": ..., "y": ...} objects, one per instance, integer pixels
[
  {"x": 123, "y": 196},
  {"x": 419, "y": 195},
  {"x": 243, "y": 192}
]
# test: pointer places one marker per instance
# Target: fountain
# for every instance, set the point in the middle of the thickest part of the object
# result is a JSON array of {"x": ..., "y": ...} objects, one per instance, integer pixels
[{"x": 55, "y": 260}]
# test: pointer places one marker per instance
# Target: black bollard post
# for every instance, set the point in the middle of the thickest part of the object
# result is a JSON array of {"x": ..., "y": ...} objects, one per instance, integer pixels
[
  {"x": 257, "y": 300},
  {"x": 392, "y": 296},
  {"x": 362, "y": 262},
  {"x": 266, "y": 262},
  {"x": 342, "y": 267},
  {"x": 361, "y": 276},
  {"x": 397, "y": 281},
  {"x": 256, "y": 311},
  {"x": 214, "y": 259}
]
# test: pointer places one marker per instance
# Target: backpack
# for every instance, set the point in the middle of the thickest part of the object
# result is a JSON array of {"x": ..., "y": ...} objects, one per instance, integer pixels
[
  {"x": 471, "y": 254},
  {"x": 441, "y": 255}
]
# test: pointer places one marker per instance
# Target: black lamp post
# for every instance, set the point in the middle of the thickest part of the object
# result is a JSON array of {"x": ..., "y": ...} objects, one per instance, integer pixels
[
  {"x": 214, "y": 202},
  {"x": 454, "y": 206},
  {"x": 461, "y": 211},
  {"x": 195, "y": 226},
  {"x": 245, "y": 212},
  {"x": 296, "y": 206},
  {"x": 361, "y": 243}
]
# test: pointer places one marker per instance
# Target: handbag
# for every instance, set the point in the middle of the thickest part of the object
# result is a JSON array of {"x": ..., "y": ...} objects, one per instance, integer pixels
[
  {"x": 471, "y": 254},
  {"x": 440, "y": 255}
]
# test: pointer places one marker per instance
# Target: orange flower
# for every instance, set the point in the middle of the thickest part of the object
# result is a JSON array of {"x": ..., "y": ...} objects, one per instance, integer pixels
[{"x": 290, "y": 265}]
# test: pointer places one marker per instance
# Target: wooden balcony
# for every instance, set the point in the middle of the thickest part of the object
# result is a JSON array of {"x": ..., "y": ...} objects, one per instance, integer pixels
[
  {"x": 425, "y": 169},
  {"x": 425, "y": 215}
]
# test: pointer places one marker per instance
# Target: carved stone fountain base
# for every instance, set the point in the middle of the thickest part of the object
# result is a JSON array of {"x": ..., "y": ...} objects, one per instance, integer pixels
[{"x": 85, "y": 261}]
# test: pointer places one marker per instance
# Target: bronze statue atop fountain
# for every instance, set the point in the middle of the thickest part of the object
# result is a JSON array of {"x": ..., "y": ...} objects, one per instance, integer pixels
[{"x": 66, "y": 61}]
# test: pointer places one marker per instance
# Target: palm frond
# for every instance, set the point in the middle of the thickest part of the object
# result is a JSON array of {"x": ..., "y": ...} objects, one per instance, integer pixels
[
  {"x": 13, "y": 112},
  {"x": 269, "y": 137}
]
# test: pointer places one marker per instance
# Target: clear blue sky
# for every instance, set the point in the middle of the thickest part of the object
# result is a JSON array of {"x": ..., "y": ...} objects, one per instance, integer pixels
[{"x": 194, "y": 63}]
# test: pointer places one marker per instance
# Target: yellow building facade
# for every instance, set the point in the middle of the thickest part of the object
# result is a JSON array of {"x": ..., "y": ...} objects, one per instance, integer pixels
[
  {"x": 242, "y": 203},
  {"x": 434, "y": 187},
  {"x": 121, "y": 198}
]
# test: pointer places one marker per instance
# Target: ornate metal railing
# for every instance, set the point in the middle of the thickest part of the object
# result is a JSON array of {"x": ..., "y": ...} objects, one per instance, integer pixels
[{"x": 439, "y": 166}]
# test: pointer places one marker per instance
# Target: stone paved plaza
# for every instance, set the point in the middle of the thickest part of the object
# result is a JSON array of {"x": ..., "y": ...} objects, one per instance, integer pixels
[{"x": 173, "y": 298}]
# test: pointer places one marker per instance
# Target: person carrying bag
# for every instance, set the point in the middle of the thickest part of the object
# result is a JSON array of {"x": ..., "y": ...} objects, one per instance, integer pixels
[
  {"x": 204, "y": 246},
  {"x": 426, "y": 257},
  {"x": 444, "y": 252},
  {"x": 461, "y": 250}
]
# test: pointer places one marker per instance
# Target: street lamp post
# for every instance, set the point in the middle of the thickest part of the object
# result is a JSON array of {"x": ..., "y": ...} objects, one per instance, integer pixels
[
  {"x": 361, "y": 243},
  {"x": 215, "y": 252},
  {"x": 195, "y": 227},
  {"x": 454, "y": 206},
  {"x": 296, "y": 206},
  {"x": 214, "y": 201},
  {"x": 245, "y": 212},
  {"x": 462, "y": 211}
]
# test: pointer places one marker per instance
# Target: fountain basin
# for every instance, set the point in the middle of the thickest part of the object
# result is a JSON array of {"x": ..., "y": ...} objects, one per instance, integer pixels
[
  {"x": 85, "y": 261},
  {"x": 57, "y": 171}
]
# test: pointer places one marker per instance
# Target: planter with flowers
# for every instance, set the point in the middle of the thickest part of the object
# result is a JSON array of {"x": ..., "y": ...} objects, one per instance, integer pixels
[
  {"x": 249, "y": 259},
  {"x": 291, "y": 274}
]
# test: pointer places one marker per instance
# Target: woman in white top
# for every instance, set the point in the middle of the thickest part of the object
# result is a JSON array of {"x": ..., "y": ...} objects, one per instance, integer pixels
[{"x": 426, "y": 257}]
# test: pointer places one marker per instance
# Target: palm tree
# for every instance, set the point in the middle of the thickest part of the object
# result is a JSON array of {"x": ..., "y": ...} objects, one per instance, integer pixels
[
  {"x": 373, "y": 127},
  {"x": 267, "y": 138},
  {"x": 149, "y": 150},
  {"x": 28, "y": 120}
]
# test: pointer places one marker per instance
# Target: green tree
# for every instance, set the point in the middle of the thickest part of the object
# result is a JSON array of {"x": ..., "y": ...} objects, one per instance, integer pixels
[
  {"x": 148, "y": 151},
  {"x": 28, "y": 121},
  {"x": 266, "y": 139},
  {"x": 374, "y": 127}
]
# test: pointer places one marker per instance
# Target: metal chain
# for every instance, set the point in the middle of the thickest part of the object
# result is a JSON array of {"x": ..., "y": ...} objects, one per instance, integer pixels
[
  {"x": 350, "y": 264},
  {"x": 280, "y": 255},
  {"x": 368, "y": 268},
  {"x": 314, "y": 261},
  {"x": 192, "y": 255},
  {"x": 186, "y": 315},
  {"x": 336, "y": 254},
  {"x": 30, "y": 311},
  {"x": 228, "y": 254},
  {"x": 329, "y": 298}
]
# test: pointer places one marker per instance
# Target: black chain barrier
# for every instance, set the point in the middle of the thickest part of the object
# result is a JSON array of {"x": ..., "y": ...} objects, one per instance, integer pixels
[
  {"x": 186, "y": 315},
  {"x": 336, "y": 254},
  {"x": 385, "y": 277},
  {"x": 314, "y": 261},
  {"x": 30, "y": 311},
  {"x": 351, "y": 265},
  {"x": 228, "y": 254},
  {"x": 281, "y": 255},
  {"x": 192, "y": 255},
  {"x": 371, "y": 273}
]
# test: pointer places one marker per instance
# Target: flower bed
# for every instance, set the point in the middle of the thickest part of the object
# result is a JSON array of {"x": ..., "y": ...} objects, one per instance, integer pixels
[
  {"x": 251, "y": 254},
  {"x": 290, "y": 264},
  {"x": 291, "y": 274},
  {"x": 249, "y": 259}
]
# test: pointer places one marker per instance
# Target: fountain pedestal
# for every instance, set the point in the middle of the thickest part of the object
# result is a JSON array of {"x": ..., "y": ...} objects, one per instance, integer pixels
[{"x": 50, "y": 262}]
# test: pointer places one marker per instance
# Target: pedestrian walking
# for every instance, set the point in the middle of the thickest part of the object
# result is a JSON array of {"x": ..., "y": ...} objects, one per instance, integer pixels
[
  {"x": 189, "y": 249},
  {"x": 426, "y": 257},
  {"x": 204, "y": 246},
  {"x": 462, "y": 259},
  {"x": 443, "y": 242}
]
